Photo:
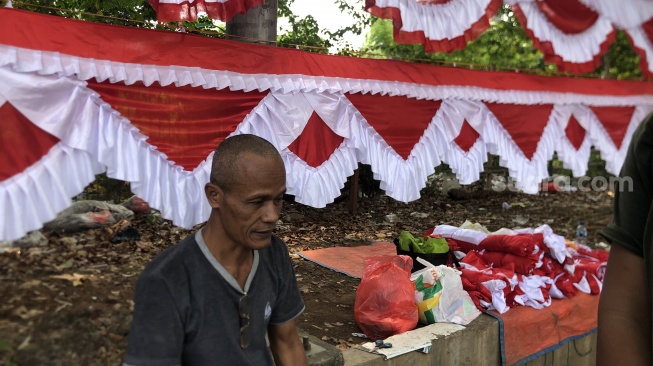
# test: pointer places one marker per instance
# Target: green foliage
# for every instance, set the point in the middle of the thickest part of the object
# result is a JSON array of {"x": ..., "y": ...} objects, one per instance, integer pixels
[
  {"x": 134, "y": 13},
  {"x": 122, "y": 12},
  {"x": 283, "y": 8},
  {"x": 362, "y": 19},
  {"x": 621, "y": 60},
  {"x": 305, "y": 32},
  {"x": 106, "y": 189}
]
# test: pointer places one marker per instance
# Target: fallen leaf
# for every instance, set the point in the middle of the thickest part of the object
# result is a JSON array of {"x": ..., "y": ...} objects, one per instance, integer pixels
[
  {"x": 25, "y": 314},
  {"x": 25, "y": 343},
  {"x": 28, "y": 284},
  {"x": 75, "y": 278},
  {"x": 65, "y": 265},
  {"x": 69, "y": 241}
]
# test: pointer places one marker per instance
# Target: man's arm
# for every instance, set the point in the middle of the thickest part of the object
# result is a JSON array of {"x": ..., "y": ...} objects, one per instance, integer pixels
[
  {"x": 624, "y": 334},
  {"x": 287, "y": 349}
]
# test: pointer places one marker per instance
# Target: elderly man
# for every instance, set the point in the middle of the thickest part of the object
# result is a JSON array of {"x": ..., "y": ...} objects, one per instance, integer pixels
[{"x": 210, "y": 299}]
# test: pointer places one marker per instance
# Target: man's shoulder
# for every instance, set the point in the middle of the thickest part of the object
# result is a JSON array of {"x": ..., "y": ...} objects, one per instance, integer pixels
[
  {"x": 173, "y": 259},
  {"x": 644, "y": 133}
]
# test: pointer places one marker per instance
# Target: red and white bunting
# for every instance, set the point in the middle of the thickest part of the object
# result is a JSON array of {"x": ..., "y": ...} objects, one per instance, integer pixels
[
  {"x": 152, "y": 111},
  {"x": 439, "y": 25},
  {"x": 573, "y": 34},
  {"x": 224, "y": 10}
]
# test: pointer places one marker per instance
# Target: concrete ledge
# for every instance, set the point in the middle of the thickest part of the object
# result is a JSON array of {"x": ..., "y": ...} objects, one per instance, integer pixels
[
  {"x": 323, "y": 354},
  {"x": 478, "y": 344}
]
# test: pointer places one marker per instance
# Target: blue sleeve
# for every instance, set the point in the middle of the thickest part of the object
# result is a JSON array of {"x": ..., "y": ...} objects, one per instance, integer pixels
[{"x": 157, "y": 332}]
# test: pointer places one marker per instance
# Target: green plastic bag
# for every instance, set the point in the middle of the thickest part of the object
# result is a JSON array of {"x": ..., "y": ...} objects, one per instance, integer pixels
[{"x": 425, "y": 245}]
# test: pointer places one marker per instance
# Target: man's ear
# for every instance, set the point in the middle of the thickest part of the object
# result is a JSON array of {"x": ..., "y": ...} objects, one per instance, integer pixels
[{"x": 214, "y": 194}]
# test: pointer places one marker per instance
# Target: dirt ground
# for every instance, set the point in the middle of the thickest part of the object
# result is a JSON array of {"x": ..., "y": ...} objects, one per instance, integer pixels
[{"x": 70, "y": 302}]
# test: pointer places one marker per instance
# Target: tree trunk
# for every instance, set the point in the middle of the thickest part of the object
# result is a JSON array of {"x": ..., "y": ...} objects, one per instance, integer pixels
[{"x": 259, "y": 23}]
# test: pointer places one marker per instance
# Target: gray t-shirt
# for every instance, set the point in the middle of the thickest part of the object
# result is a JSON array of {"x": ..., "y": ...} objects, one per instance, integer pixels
[
  {"x": 632, "y": 224},
  {"x": 186, "y": 308}
]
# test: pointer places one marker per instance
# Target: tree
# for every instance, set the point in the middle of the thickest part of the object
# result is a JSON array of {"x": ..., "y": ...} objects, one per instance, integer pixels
[
  {"x": 304, "y": 32},
  {"x": 259, "y": 23},
  {"x": 137, "y": 13}
]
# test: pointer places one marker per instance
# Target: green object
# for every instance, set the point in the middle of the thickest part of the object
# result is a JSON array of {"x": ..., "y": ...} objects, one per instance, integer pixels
[
  {"x": 425, "y": 245},
  {"x": 428, "y": 292}
]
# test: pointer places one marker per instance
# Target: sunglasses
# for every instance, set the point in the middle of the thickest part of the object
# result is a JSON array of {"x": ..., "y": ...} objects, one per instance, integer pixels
[{"x": 245, "y": 334}]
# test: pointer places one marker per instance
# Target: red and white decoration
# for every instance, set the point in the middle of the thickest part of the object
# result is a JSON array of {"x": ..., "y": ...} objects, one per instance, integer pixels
[
  {"x": 568, "y": 33},
  {"x": 224, "y": 10},
  {"x": 573, "y": 34},
  {"x": 526, "y": 267},
  {"x": 440, "y": 25},
  {"x": 152, "y": 111}
]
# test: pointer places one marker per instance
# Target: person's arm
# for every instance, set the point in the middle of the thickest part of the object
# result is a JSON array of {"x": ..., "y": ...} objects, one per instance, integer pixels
[
  {"x": 285, "y": 344},
  {"x": 624, "y": 334}
]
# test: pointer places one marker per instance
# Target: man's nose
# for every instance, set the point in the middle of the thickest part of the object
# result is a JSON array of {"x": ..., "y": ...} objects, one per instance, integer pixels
[{"x": 271, "y": 213}]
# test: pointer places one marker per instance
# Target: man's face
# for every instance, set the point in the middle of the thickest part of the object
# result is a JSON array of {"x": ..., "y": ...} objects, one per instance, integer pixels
[{"x": 250, "y": 210}]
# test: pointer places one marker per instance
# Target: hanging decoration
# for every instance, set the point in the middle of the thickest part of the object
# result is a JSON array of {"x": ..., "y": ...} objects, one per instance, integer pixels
[
  {"x": 223, "y": 10},
  {"x": 572, "y": 34},
  {"x": 439, "y": 25},
  {"x": 152, "y": 111}
]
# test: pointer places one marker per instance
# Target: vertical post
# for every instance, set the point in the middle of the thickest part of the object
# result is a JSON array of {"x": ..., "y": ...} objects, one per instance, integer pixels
[
  {"x": 353, "y": 193},
  {"x": 260, "y": 22}
]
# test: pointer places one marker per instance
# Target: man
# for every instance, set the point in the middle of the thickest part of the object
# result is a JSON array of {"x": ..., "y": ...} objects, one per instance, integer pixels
[
  {"x": 210, "y": 299},
  {"x": 625, "y": 332}
]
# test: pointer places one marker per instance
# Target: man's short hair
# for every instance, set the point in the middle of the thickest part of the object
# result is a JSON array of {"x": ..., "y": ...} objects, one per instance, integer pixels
[{"x": 224, "y": 169}]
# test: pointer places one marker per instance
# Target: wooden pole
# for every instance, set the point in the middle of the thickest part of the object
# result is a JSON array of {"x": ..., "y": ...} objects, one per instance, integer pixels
[{"x": 353, "y": 193}]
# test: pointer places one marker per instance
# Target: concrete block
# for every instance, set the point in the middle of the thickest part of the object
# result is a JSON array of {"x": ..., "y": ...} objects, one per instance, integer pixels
[
  {"x": 323, "y": 354},
  {"x": 477, "y": 345}
]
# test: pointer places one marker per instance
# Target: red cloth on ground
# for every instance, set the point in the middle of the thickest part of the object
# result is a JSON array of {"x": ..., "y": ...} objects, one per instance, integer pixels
[
  {"x": 521, "y": 245},
  {"x": 527, "y": 330},
  {"x": 601, "y": 255},
  {"x": 523, "y": 265},
  {"x": 474, "y": 259},
  {"x": 565, "y": 283}
]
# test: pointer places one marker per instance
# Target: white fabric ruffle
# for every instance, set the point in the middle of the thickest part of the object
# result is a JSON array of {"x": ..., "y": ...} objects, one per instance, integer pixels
[
  {"x": 613, "y": 156},
  {"x": 572, "y": 159},
  {"x": 48, "y": 63},
  {"x": 435, "y": 20},
  {"x": 576, "y": 48},
  {"x": 43, "y": 86},
  {"x": 624, "y": 13},
  {"x": 527, "y": 174},
  {"x": 466, "y": 165},
  {"x": 82, "y": 121},
  {"x": 36, "y": 195}
]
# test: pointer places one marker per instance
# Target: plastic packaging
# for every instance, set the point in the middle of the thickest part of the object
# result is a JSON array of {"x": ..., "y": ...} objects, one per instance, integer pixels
[
  {"x": 440, "y": 297},
  {"x": 384, "y": 304},
  {"x": 581, "y": 233}
]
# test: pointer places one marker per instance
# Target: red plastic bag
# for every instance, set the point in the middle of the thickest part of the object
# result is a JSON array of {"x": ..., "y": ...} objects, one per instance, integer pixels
[{"x": 385, "y": 303}]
